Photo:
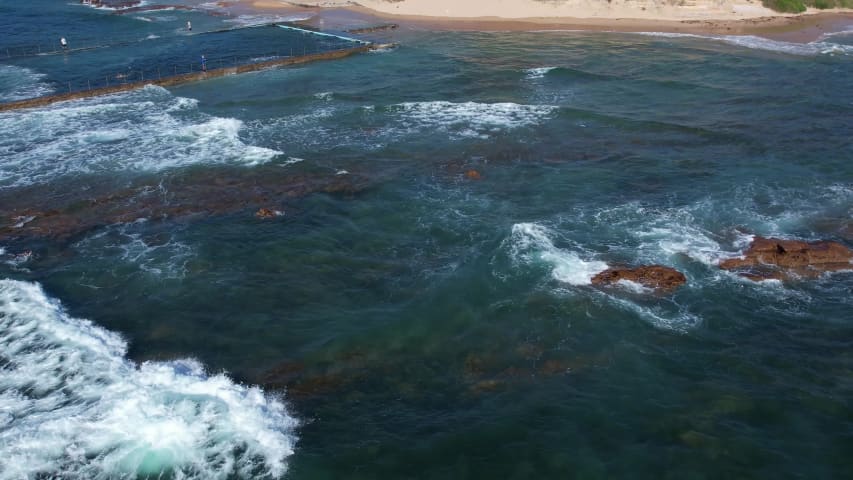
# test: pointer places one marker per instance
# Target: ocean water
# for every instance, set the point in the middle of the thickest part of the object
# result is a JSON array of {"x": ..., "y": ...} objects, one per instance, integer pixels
[{"x": 398, "y": 316}]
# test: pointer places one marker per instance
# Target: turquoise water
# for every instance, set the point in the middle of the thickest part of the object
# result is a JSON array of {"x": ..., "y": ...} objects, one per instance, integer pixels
[{"x": 398, "y": 318}]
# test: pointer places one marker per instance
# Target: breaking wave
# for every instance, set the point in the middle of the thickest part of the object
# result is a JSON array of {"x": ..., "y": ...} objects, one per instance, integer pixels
[
  {"x": 470, "y": 119},
  {"x": 533, "y": 73},
  {"x": 821, "y": 47},
  {"x": 531, "y": 243},
  {"x": 72, "y": 406},
  {"x": 144, "y": 130}
]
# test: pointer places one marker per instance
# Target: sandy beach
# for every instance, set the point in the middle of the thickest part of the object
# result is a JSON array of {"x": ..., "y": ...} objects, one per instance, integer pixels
[{"x": 691, "y": 16}]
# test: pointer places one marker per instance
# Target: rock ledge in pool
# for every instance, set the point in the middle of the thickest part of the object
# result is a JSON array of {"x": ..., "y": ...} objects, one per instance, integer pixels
[
  {"x": 657, "y": 277},
  {"x": 777, "y": 259}
]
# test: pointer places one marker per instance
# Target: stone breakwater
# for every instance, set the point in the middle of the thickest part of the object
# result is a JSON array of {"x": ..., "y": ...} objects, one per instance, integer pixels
[{"x": 185, "y": 78}]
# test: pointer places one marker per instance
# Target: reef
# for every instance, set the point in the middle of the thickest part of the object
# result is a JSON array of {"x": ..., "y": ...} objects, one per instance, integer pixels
[
  {"x": 183, "y": 197},
  {"x": 773, "y": 258}
]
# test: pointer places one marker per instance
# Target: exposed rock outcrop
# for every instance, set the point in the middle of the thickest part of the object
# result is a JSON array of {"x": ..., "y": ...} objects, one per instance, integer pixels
[
  {"x": 773, "y": 258},
  {"x": 657, "y": 277},
  {"x": 375, "y": 28}
]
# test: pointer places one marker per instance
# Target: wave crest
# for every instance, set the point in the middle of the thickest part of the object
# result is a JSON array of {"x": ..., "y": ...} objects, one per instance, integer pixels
[
  {"x": 70, "y": 402},
  {"x": 141, "y": 131}
]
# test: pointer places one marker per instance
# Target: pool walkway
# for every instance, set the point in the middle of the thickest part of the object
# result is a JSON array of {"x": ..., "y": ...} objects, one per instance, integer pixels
[{"x": 170, "y": 80}]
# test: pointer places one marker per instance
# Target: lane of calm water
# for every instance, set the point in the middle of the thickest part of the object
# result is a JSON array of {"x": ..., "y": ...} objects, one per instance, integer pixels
[{"x": 426, "y": 324}]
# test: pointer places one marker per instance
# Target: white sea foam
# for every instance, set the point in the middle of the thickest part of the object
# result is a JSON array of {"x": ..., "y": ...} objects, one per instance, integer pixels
[
  {"x": 327, "y": 96},
  {"x": 104, "y": 7},
  {"x": 158, "y": 255},
  {"x": 72, "y": 406},
  {"x": 843, "y": 33},
  {"x": 671, "y": 238},
  {"x": 664, "y": 315},
  {"x": 470, "y": 119},
  {"x": 531, "y": 243},
  {"x": 633, "y": 287},
  {"x": 760, "y": 43},
  {"x": 533, "y": 73},
  {"x": 145, "y": 130},
  {"x": 382, "y": 49},
  {"x": 666, "y": 235},
  {"x": 19, "y": 83},
  {"x": 258, "y": 20},
  {"x": 266, "y": 58}
]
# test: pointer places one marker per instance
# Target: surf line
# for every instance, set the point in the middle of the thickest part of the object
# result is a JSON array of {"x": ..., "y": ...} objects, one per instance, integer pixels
[{"x": 324, "y": 34}]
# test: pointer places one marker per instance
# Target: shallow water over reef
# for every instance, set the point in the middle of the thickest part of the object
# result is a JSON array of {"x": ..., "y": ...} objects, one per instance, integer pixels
[{"x": 418, "y": 302}]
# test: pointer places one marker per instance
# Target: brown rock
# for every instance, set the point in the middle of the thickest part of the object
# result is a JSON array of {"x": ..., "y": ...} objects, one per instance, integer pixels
[
  {"x": 473, "y": 175},
  {"x": 266, "y": 213},
  {"x": 651, "y": 276},
  {"x": 773, "y": 258}
]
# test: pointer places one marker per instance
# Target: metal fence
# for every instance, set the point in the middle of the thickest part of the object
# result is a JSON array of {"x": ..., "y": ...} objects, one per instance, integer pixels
[{"x": 52, "y": 46}]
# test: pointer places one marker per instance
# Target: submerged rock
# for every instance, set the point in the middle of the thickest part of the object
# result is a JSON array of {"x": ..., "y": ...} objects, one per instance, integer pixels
[
  {"x": 656, "y": 277},
  {"x": 473, "y": 175},
  {"x": 777, "y": 259},
  {"x": 34, "y": 213}
]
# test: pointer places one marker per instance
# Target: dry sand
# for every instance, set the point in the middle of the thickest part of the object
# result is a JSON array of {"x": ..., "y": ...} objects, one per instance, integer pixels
[{"x": 733, "y": 17}]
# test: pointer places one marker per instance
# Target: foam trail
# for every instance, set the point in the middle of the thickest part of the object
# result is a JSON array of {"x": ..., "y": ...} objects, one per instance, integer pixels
[
  {"x": 531, "y": 242},
  {"x": 72, "y": 406},
  {"x": 159, "y": 256}
]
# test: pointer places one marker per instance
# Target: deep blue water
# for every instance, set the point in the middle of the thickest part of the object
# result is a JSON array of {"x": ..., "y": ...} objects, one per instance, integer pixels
[{"x": 398, "y": 318}]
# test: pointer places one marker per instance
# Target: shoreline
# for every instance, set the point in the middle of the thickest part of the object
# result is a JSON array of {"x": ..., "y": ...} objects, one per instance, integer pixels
[{"x": 799, "y": 28}]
